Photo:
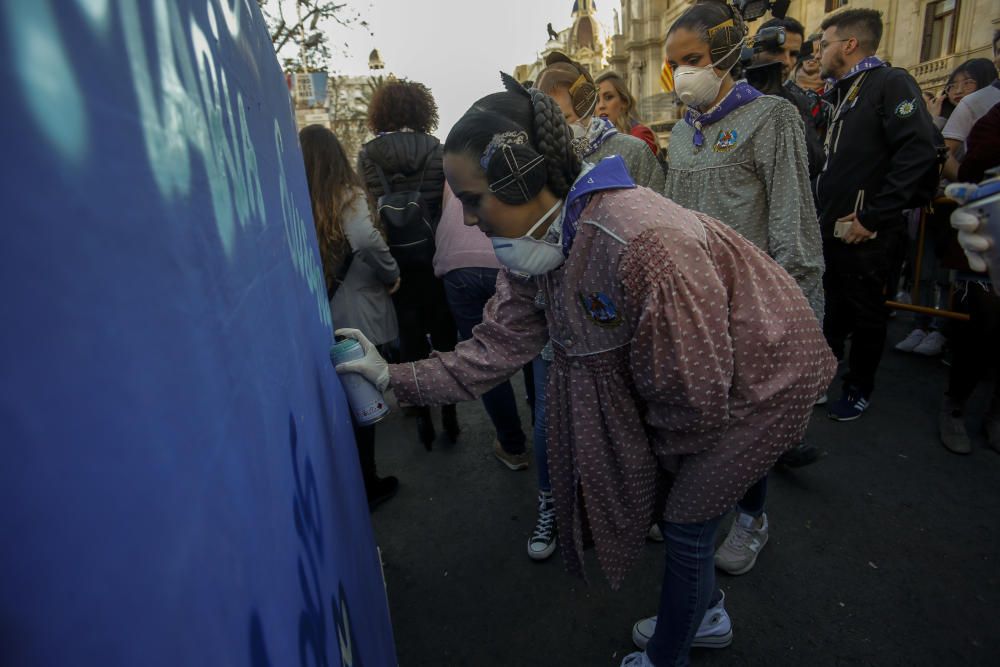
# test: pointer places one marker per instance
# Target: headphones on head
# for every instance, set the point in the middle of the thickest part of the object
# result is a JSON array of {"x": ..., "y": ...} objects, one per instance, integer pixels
[
  {"x": 725, "y": 36},
  {"x": 582, "y": 92}
]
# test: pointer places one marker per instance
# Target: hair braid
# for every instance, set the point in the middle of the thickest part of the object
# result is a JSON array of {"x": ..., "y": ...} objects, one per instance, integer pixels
[{"x": 553, "y": 140}]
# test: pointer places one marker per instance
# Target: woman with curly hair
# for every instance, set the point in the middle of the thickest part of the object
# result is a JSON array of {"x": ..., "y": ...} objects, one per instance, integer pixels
[
  {"x": 686, "y": 360},
  {"x": 360, "y": 273},
  {"x": 615, "y": 103},
  {"x": 404, "y": 155}
]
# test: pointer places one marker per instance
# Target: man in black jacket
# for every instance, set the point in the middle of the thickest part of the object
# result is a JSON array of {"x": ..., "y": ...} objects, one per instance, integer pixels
[
  {"x": 764, "y": 76},
  {"x": 879, "y": 148}
]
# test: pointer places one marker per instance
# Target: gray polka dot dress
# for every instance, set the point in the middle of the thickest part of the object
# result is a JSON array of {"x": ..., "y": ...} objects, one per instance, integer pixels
[
  {"x": 686, "y": 362},
  {"x": 752, "y": 173}
]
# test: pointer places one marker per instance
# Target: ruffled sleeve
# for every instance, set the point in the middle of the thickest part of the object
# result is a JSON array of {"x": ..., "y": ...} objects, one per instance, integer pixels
[
  {"x": 512, "y": 333},
  {"x": 681, "y": 351},
  {"x": 781, "y": 160}
]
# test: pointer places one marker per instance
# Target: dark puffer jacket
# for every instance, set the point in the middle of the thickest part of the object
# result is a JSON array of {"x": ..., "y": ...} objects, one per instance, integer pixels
[{"x": 410, "y": 161}]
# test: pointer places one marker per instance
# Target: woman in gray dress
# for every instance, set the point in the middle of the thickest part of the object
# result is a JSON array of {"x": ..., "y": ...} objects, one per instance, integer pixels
[
  {"x": 740, "y": 156},
  {"x": 360, "y": 272}
]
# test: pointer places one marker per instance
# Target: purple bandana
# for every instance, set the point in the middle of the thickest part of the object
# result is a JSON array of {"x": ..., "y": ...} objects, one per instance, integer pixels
[
  {"x": 741, "y": 93},
  {"x": 608, "y": 174},
  {"x": 871, "y": 62}
]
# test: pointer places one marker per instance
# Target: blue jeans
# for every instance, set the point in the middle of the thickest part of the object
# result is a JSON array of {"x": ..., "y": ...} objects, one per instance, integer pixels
[
  {"x": 541, "y": 439},
  {"x": 467, "y": 291},
  {"x": 688, "y": 590}
]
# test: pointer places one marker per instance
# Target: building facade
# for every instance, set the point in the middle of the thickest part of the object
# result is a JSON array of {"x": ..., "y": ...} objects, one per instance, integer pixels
[{"x": 928, "y": 37}]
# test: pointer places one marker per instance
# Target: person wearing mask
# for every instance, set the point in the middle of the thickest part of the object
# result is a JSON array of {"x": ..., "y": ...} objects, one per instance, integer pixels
[
  {"x": 684, "y": 356},
  {"x": 740, "y": 157},
  {"x": 880, "y": 146},
  {"x": 594, "y": 138},
  {"x": 359, "y": 271},
  {"x": 464, "y": 260},
  {"x": 615, "y": 103},
  {"x": 572, "y": 87},
  {"x": 927, "y": 337},
  {"x": 402, "y": 114}
]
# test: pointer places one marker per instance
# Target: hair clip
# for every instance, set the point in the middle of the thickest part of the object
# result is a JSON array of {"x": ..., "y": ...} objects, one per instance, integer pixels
[
  {"x": 517, "y": 172},
  {"x": 499, "y": 140}
]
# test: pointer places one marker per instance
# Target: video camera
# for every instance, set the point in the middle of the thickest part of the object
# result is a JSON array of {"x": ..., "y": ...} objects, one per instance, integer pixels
[
  {"x": 769, "y": 39},
  {"x": 751, "y": 10}
]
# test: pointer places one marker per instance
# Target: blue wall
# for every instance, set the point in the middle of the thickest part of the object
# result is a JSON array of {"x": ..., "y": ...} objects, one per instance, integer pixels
[{"x": 179, "y": 484}]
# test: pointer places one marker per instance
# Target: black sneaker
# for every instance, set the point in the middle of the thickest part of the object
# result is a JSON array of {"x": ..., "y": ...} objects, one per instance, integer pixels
[
  {"x": 801, "y": 455},
  {"x": 850, "y": 406},
  {"x": 381, "y": 490}
]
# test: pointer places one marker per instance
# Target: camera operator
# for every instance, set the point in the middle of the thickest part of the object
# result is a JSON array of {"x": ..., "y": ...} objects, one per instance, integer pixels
[{"x": 769, "y": 73}]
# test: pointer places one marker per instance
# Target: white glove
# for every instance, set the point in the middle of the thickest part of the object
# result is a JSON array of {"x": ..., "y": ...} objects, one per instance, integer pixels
[
  {"x": 371, "y": 367},
  {"x": 973, "y": 239}
]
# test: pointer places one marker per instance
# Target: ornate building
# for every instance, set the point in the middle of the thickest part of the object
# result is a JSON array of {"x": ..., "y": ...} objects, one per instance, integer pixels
[
  {"x": 928, "y": 37},
  {"x": 583, "y": 41}
]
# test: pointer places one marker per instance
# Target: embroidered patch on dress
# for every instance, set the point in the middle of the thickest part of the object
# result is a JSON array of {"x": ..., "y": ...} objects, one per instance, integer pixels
[
  {"x": 725, "y": 140},
  {"x": 601, "y": 308},
  {"x": 906, "y": 108}
]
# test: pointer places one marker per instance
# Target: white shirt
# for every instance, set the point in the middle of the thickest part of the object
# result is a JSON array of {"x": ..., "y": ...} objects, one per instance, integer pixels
[{"x": 969, "y": 110}]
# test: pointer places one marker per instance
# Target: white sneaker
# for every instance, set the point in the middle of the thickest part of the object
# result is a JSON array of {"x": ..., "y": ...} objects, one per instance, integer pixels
[
  {"x": 915, "y": 338},
  {"x": 932, "y": 345},
  {"x": 739, "y": 552},
  {"x": 715, "y": 631},
  {"x": 654, "y": 534},
  {"x": 637, "y": 659},
  {"x": 542, "y": 543}
]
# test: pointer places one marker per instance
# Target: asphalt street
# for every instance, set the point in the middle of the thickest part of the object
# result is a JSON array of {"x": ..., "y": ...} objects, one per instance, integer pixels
[{"x": 885, "y": 552}]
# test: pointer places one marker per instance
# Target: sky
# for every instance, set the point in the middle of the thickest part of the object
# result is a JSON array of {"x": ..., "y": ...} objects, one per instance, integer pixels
[{"x": 455, "y": 47}]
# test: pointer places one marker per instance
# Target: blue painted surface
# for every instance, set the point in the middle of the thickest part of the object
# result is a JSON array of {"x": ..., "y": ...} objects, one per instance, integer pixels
[{"x": 179, "y": 482}]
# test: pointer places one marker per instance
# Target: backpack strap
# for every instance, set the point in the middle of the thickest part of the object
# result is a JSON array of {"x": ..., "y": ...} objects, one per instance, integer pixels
[{"x": 387, "y": 189}]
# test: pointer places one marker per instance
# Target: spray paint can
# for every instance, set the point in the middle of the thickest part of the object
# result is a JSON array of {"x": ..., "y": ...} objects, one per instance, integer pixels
[{"x": 367, "y": 403}]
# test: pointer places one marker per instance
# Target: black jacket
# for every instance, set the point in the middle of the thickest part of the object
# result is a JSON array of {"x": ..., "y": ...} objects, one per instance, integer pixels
[
  {"x": 882, "y": 142},
  {"x": 814, "y": 145},
  {"x": 410, "y": 161}
]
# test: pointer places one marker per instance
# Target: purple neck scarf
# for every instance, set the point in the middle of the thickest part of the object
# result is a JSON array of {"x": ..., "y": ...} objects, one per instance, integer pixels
[
  {"x": 871, "y": 62},
  {"x": 740, "y": 94},
  {"x": 608, "y": 174}
]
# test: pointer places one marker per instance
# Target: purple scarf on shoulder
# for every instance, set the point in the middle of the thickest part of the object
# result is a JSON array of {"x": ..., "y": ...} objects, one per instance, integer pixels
[{"x": 741, "y": 93}]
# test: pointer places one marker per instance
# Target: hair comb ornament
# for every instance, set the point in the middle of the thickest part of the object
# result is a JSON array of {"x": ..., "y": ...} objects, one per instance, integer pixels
[{"x": 499, "y": 140}]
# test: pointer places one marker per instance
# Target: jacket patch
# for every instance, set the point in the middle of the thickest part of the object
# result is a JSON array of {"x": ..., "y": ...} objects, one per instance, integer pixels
[
  {"x": 725, "y": 141},
  {"x": 601, "y": 309},
  {"x": 906, "y": 108}
]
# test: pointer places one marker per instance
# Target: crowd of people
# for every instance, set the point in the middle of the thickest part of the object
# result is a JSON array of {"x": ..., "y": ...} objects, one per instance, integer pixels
[{"x": 677, "y": 312}]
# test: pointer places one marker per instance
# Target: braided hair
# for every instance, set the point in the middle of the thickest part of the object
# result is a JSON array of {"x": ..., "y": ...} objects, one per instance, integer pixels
[{"x": 519, "y": 110}]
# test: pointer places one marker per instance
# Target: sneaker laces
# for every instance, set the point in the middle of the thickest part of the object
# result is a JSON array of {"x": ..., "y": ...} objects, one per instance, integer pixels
[
  {"x": 739, "y": 537},
  {"x": 546, "y": 523}
]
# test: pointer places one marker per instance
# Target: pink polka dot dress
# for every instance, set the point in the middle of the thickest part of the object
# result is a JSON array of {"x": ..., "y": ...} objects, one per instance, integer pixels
[{"x": 686, "y": 362}]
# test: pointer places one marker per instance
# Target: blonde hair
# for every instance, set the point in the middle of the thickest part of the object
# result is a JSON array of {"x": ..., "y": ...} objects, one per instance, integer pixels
[{"x": 625, "y": 120}]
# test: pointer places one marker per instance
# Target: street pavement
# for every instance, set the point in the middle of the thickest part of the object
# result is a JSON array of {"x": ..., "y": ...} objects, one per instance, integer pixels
[{"x": 885, "y": 552}]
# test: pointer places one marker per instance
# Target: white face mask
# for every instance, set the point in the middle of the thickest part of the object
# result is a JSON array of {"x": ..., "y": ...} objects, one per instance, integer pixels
[
  {"x": 699, "y": 86},
  {"x": 529, "y": 255}
]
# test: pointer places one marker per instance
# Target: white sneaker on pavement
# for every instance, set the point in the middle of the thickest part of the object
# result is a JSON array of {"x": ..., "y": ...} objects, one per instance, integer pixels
[
  {"x": 715, "y": 631},
  {"x": 637, "y": 659},
  {"x": 911, "y": 341},
  {"x": 746, "y": 538},
  {"x": 932, "y": 345}
]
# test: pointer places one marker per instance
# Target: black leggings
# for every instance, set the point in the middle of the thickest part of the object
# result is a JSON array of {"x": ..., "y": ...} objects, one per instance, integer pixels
[{"x": 422, "y": 311}]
